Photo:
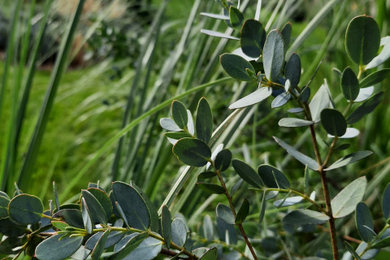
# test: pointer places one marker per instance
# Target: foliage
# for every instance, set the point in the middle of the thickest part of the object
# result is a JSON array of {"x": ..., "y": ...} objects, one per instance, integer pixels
[{"x": 121, "y": 222}]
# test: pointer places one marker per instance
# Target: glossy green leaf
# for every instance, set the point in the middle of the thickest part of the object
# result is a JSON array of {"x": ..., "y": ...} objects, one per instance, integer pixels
[
  {"x": 95, "y": 209},
  {"x": 235, "y": 16},
  {"x": 333, "y": 122},
  {"x": 304, "y": 217},
  {"x": 179, "y": 232},
  {"x": 237, "y": 67},
  {"x": 225, "y": 213},
  {"x": 344, "y": 203},
  {"x": 348, "y": 159},
  {"x": 304, "y": 159},
  {"x": 374, "y": 77},
  {"x": 386, "y": 202},
  {"x": 272, "y": 177},
  {"x": 294, "y": 122},
  {"x": 292, "y": 69},
  {"x": 223, "y": 159},
  {"x": 366, "y": 108},
  {"x": 179, "y": 114},
  {"x": 286, "y": 34},
  {"x": 133, "y": 205},
  {"x": 273, "y": 55},
  {"x": 177, "y": 135},
  {"x": 362, "y": 39},
  {"x": 166, "y": 221},
  {"x": 127, "y": 245},
  {"x": 383, "y": 56},
  {"x": 211, "y": 254},
  {"x": 87, "y": 219},
  {"x": 364, "y": 222},
  {"x": 4, "y": 207},
  {"x": 57, "y": 247},
  {"x": 113, "y": 238},
  {"x": 103, "y": 199},
  {"x": 242, "y": 212},
  {"x": 320, "y": 101},
  {"x": 255, "y": 97},
  {"x": 247, "y": 173},
  {"x": 71, "y": 216},
  {"x": 25, "y": 209},
  {"x": 60, "y": 225},
  {"x": 204, "y": 121},
  {"x": 252, "y": 38},
  {"x": 193, "y": 152},
  {"x": 100, "y": 245},
  {"x": 349, "y": 84},
  {"x": 211, "y": 188},
  {"x": 281, "y": 99}
]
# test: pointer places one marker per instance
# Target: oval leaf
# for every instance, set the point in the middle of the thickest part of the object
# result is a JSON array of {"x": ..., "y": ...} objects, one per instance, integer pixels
[
  {"x": 349, "y": 84},
  {"x": 272, "y": 177},
  {"x": 364, "y": 222},
  {"x": 179, "y": 114},
  {"x": 362, "y": 39},
  {"x": 375, "y": 77},
  {"x": 223, "y": 159},
  {"x": 243, "y": 212},
  {"x": 225, "y": 213},
  {"x": 211, "y": 254},
  {"x": 193, "y": 152},
  {"x": 132, "y": 204},
  {"x": 247, "y": 173},
  {"x": 281, "y": 99},
  {"x": 293, "y": 69},
  {"x": 235, "y": 16},
  {"x": 237, "y": 67},
  {"x": 350, "y": 158},
  {"x": 273, "y": 55},
  {"x": 211, "y": 188},
  {"x": 366, "y": 108},
  {"x": 25, "y": 209},
  {"x": 166, "y": 222},
  {"x": 333, "y": 122},
  {"x": 179, "y": 232},
  {"x": 204, "y": 121},
  {"x": 100, "y": 245},
  {"x": 253, "y": 98},
  {"x": 57, "y": 247},
  {"x": 346, "y": 200},
  {"x": 252, "y": 38},
  {"x": 95, "y": 209},
  {"x": 304, "y": 217},
  {"x": 294, "y": 122},
  {"x": 386, "y": 202}
]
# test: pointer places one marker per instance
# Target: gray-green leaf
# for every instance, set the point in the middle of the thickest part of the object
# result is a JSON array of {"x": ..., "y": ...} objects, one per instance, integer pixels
[
  {"x": 255, "y": 97},
  {"x": 273, "y": 55},
  {"x": 349, "y": 84},
  {"x": 364, "y": 222},
  {"x": 57, "y": 247},
  {"x": 252, "y": 38},
  {"x": 237, "y": 67}
]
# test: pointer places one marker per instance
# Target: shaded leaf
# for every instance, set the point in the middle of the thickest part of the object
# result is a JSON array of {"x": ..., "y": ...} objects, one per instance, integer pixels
[
  {"x": 166, "y": 221},
  {"x": 292, "y": 69},
  {"x": 25, "y": 209},
  {"x": 235, "y": 16},
  {"x": 386, "y": 202},
  {"x": 374, "y": 77},
  {"x": 208, "y": 228},
  {"x": 206, "y": 175},
  {"x": 95, "y": 209},
  {"x": 211, "y": 188},
  {"x": 148, "y": 249},
  {"x": 177, "y": 135},
  {"x": 362, "y": 39},
  {"x": 4, "y": 201},
  {"x": 87, "y": 219},
  {"x": 383, "y": 56},
  {"x": 103, "y": 199},
  {"x": 366, "y": 108},
  {"x": 302, "y": 217},
  {"x": 225, "y": 213},
  {"x": 272, "y": 177},
  {"x": 273, "y": 55},
  {"x": 255, "y": 97},
  {"x": 364, "y": 222},
  {"x": 305, "y": 95},
  {"x": 100, "y": 245},
  {"x": 71, "y": 216},
  {"x": 179, "y": 114},
  {"x": 223, "y": 159},
  {"x": 252, "y": 38},
  {"x": 204, "y": 121},
  {"x": 243, "y": 212},
  {"x": 237, "y": 67},
  {"x": 247, "y": 173},
  {"x": 304, "y": 159},
  {"x": 348, "y": 159},
  {"x": 191, "y": 151},
  {"x": 286, "y": 34},
  {"x": 57, "y": 247},
  {"x": 132, "y": 204},
  {"x": 349, "y": 84},
  {"x": 127, "y": 245},
  {"x": 211, "y": 254},
  {"x": 333, "y": 122},
  {"x": 294, "y": 122},
  {"x": 344, "y": 203},
  {"x": 351, "y": 250}
]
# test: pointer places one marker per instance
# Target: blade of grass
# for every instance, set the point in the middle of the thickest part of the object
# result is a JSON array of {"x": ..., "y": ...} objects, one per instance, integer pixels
[{"x": 58, "y": 70}]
